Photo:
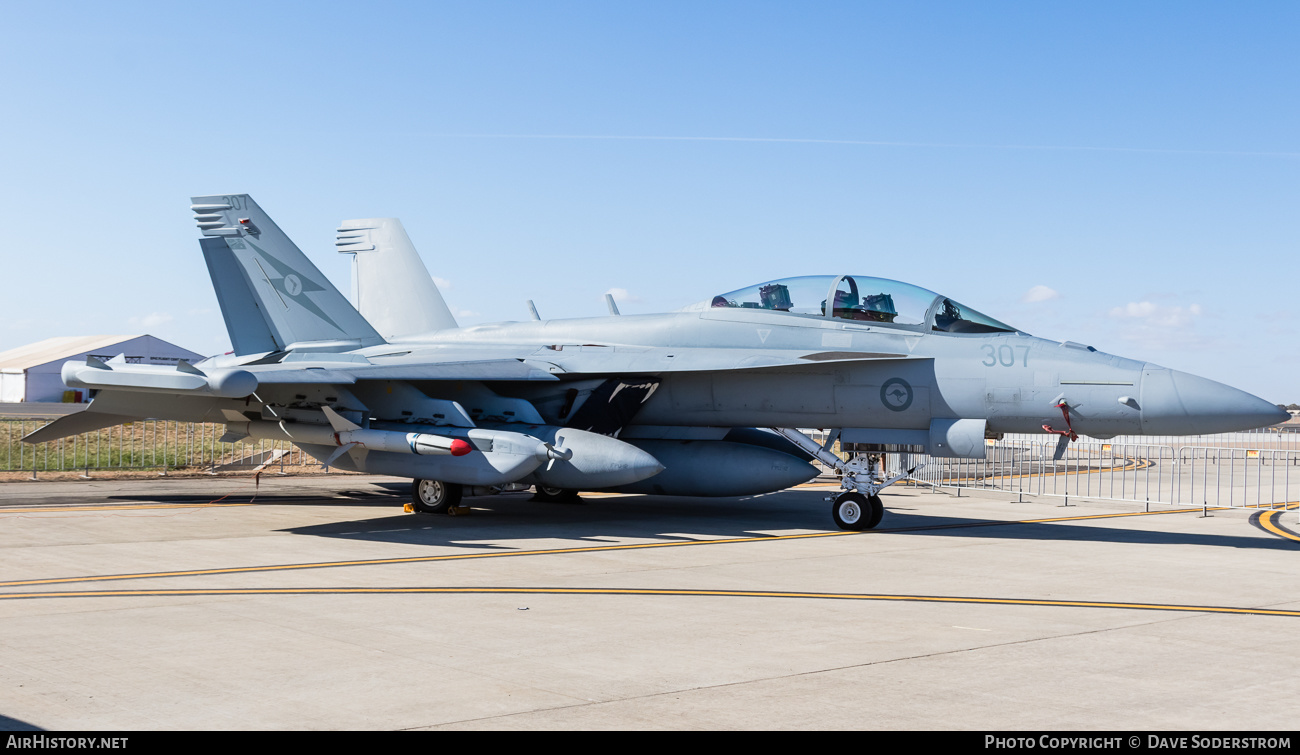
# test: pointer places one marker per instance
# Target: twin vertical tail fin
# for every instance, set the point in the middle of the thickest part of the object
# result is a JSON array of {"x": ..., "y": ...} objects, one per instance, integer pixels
[
  {"x": 391, "y": 285},
  {"x": 272, "y": 297}
]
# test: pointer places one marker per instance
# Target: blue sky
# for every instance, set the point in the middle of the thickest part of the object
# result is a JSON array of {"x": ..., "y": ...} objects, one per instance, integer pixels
[{"x": 1121, "y": 174}]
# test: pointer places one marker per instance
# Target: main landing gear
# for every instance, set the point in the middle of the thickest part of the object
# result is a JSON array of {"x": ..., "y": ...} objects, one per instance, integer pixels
[
  {"x": 435, "y": 496},
  {"x": 547, "y": 494},
  {"x": 438, "y": 497}
]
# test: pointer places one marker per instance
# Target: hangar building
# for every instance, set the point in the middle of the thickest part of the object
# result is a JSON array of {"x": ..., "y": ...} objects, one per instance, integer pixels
[{"x": 31, "y": 372}]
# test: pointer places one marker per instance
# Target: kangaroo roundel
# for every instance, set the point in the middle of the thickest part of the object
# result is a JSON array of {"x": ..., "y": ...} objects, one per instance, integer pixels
[{"x": 896, "y": 394}]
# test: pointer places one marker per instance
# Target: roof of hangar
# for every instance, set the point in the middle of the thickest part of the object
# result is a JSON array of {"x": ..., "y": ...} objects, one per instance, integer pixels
[{"x": 54, "y": 349}]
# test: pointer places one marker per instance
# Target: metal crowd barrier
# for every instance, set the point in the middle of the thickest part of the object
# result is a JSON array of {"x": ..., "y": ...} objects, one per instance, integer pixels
[
  {"x": 142, "y": 445},
  {"x": 1272, "y": 438},
  {"x": 1151, "y": 474}
]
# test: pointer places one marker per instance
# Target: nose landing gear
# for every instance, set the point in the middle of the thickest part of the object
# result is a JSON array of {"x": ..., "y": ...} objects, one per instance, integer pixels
[
  {"x": 854, "y": 511},
  {"x": 859, "y": 506}
]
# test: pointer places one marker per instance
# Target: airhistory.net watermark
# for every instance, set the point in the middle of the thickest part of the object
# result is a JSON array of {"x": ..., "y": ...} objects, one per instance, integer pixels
[{"x": 46, "y": 742}]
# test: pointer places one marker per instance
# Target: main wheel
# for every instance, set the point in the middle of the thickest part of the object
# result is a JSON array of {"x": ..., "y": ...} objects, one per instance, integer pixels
[
  {"x": 549, "y": 494},
  {"x": 435, "y": 496},
  {"x": 854, "y": 511}
]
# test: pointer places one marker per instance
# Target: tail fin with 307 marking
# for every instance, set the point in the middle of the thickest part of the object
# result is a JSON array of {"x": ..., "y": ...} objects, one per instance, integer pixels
[{"x": 272, "y": 297}]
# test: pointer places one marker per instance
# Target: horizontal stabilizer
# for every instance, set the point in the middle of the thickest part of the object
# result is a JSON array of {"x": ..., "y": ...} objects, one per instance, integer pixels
[{"x": 76, "y": 424}]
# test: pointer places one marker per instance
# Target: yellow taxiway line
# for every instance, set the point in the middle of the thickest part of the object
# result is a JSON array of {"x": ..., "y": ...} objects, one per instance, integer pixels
[
  {"x": 583, "y": 549},
  {"x": 651, "y": 591},
  {"x": 1267, "y": 520}
]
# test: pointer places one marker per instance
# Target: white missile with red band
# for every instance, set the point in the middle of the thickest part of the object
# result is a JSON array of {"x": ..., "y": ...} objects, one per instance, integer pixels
[
  {"x": 421, "y": 444},
  {"x": 469, "y": 456},
  {"x": 348, "y": 436}
]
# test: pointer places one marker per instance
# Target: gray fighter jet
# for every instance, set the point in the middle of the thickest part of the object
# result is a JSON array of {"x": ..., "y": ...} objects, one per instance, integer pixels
[{"x": 705, "y": 401}]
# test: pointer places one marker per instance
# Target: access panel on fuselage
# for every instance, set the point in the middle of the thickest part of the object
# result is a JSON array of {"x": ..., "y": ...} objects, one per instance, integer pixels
[{"x": 875, "y": 393}]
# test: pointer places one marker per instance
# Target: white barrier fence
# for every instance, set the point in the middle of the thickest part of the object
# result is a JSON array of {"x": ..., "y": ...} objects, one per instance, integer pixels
[
  {"x": 1148, "y": 473},
  {"x": 160, "y": 445}
]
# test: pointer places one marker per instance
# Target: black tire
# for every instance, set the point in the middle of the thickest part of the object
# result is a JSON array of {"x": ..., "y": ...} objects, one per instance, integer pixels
[
  {"x": 435, "y": 496},
  {"x": 548, "y": 494},
  {"x": 851, "y": 511},
  {"x": 877, "y": 511}
]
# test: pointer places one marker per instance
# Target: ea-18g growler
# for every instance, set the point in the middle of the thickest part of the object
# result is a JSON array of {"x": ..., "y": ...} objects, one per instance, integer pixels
[{"x": 704, "y": 401}]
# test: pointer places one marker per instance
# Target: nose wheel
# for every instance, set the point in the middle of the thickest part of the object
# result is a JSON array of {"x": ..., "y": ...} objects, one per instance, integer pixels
[
  {"x": 855, "y": 511},
  {"x": 862, "y": 478}
]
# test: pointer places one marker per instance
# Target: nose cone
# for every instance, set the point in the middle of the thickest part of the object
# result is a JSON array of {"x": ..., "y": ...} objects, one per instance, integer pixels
[{"x": 1179, "y": 403}]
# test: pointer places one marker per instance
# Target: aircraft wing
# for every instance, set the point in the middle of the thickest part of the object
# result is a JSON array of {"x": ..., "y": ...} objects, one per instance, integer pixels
[
  {"x": 641, "y": 360},
  {"x": 456, "y": 369},
  {"x": 510, "y": 363}
]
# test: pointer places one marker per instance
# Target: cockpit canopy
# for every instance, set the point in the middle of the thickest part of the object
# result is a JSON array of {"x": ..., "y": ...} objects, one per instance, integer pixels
[{"x": 865, "y": 299}]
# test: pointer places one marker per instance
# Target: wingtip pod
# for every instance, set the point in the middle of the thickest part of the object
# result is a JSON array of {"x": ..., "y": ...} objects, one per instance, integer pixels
[
  {"x": 149, "y": 378},
  {"x": 232, "y": 383}
]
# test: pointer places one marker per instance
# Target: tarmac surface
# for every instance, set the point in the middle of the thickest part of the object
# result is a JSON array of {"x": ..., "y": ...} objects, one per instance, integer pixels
[{"x": 316, "y": 603}]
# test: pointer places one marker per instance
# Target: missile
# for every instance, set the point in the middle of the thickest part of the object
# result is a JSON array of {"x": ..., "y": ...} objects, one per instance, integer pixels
[
  {"x": 483, "y": 467},
  {"x": 421, "y": 444},
  {"x": 116, "y": 374},
  {"x": 514, "y": 452},
  {"x": 562, "y": 457},
  {"x": 347, "y": 435},
  {"x": 718, "y": 468},
  {"x": 467, "y": 456}
]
